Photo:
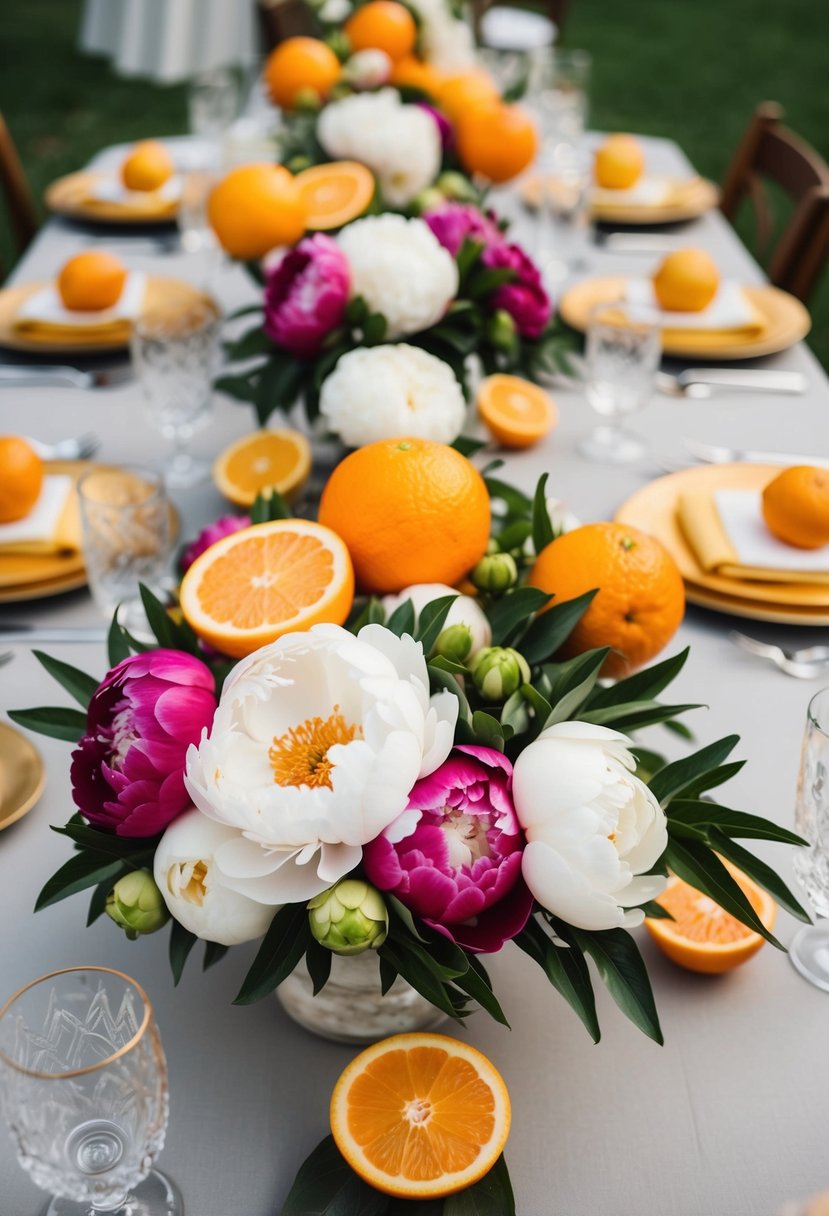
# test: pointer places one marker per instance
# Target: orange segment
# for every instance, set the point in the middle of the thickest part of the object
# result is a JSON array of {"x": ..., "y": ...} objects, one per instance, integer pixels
[
  {"x": 703, "y": 936},
  {"x": 265, "y": 460},
  {"x": 255, "y": 585},
  {"x": 516, "y": 411},
  {"x": 336, "y": 193},
  {"x": 420, "y": 1115}
]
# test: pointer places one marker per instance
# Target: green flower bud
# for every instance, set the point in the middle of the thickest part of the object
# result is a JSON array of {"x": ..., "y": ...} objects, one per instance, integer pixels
[
  {"x": 501, "y": 331},
  {"x": 307, "y": 100},
  {"x": 427, "y": 199},
  {"x": 498, "y": 672},
  {"x": 455, "y": 643},
  {"x": 340, "y": 44},
  {"x": 495, "y": 572},
  {"x": 454, "y": 185},
  {"x": 136, "y": 904},
  {"x": 349, "y": 917}
]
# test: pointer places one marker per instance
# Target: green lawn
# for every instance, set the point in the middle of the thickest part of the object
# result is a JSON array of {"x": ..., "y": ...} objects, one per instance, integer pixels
[{"x": 689, "y": 69}]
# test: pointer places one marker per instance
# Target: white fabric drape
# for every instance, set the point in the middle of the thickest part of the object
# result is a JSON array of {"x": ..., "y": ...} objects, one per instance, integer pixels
[{"x": 170, "y": 40}]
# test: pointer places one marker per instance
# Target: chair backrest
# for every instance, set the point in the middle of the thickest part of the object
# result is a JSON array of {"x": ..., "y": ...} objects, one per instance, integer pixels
[
  {"x": 770, "y": 151},
  {"x": 281, "y": 19},
  {"x": 15, "y": 189}
]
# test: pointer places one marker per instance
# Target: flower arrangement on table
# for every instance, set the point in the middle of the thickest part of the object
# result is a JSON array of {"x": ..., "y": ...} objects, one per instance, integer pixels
[{"x": 424, "y": 774}]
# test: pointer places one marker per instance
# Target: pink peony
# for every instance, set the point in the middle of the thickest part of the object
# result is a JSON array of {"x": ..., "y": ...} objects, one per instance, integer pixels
[
  {"x": 127, "y": 771},
  {"x": 459, "y": 867},
  {"x": 305, "y": 295},
  {"x": 208, "y": 536},
  {"x": 452, "y": 223},
  {"x": 525, "y": 298}
]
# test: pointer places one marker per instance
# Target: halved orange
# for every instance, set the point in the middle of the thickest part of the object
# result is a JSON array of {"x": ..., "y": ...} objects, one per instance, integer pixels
[
  {"x": 703, "y": 936},
  {"x": 336, "y": 193},
  {"x": 265, "y": 460},
  {"x": 516, "y": 411},
  {"x": 255, "y": 585},
  {"x": 420, "y": 1115}
]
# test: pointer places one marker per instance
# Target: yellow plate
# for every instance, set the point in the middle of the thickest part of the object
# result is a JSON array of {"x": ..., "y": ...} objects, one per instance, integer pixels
[
  {"x": 22, "y": 776},
  {"x": 689, "y": 198},
  {"x": 653, "y": 509},
  {"x": 70, "y": 196},
  {"x": 27, "y": 576},
  {"x": 161, "y": 293},
  {"x": 785, "y": 321}
]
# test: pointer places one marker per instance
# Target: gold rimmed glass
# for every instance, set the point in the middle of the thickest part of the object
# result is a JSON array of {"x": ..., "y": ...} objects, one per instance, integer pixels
[{"x": 84, "y": 1091}]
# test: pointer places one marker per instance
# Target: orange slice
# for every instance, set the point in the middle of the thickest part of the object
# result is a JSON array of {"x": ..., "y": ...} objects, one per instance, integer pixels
[
  {"x": 420, "y": 1115},
  {"x": 265, "y": 460},
  {"x": 336, "y": 193},
  {"x": 274, "y": 578},
  {"x": 703, "y": 936},
  {"x": 517, "y": 412}
]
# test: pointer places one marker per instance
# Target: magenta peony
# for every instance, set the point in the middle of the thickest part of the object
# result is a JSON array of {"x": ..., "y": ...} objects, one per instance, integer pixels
[
  {"x": 524, "y": 298},
  {"x": 127, "y": 771},
  {"x": 209, "y": 535},
  {"x": 444, "y": 126},
  {"x": 459, "y": 866},
  {"x": 305, "y": 295},
  {"x": 452, "y": 223}
]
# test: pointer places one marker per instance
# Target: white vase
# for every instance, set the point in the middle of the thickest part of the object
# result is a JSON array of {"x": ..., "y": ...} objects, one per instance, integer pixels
[{"x": 351, "y": 1008}]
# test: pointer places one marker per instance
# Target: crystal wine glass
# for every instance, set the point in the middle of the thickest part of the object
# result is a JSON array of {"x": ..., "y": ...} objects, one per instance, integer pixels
[
  {"x": 621, "y": 357},
  {"x": 558, "y": 91},
  {"x": 565, "y": 176},
  {"x": 810, "y": 949},
  {"x": 84, "y": 1090}
]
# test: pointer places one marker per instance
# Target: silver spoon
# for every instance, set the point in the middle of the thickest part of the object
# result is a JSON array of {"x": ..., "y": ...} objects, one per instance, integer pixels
[{"x": 805, "y": 664}]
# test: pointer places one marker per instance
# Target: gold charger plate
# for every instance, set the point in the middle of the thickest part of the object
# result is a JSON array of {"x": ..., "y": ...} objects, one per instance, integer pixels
[
  {"x": 653, "y": 509},
  {"x": 785, "y": 321},
  {"x": 25, "y": 576},
  {"x": 161, "y": 293},
  {"x": 22, "y": 776},
  {"x": 689, "y": 199},
  {"x": 70, "y": 196}
]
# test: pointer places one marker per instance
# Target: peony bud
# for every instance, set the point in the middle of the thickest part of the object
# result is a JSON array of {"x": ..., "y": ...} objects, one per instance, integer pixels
[
  {"x": 427, "y": 199},
  {"x": 455, "y": 643},
  {"x": 136, "y": 904},
  {"x": 495, "y": 572},
  {"x": 454, "y": 185},
  {"x": 349, "y": 918},
  {"x": 501, "y": 330},
  {"x": 368, "y": 69},
  {"x": 498, "y": 672}
]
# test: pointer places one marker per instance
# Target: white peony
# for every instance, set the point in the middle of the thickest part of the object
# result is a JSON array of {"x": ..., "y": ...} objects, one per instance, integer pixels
[
  {"x": 465, "y": 610},
  {"x": 368, "y": 69},
  {"x": 445, "y": 41},
  {"x": 400, "y": 269},
  {"x": 400, "y": 143},
  {"x": 186, "y": 875},
  {"x": 315, "y": 746},
  {"x": 593, "y": 828},
  {"x": 381, "y": 392}
]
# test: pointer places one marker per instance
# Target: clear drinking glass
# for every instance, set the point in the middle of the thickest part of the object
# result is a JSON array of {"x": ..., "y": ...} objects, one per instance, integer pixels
[
  {"x": 176, "y": 359},
  {"x": 213, "y": 100},
  {"x": 621, "y": 357},
  {"x": 810, "y": 949},
  {"x": 196, "y": 234},
  {"x": 128, "y": 538},
  {"x": 563, "y": 226},
  {"x": 85, "y": 1093},
  {"x": 559, "y": 91}
]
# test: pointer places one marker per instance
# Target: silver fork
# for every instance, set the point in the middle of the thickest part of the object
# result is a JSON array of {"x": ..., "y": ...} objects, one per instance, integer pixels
[
  {"x": 712, "y": 453},
  {"x": 81, "y": 448},
  {"x": 805, "y": 664}
]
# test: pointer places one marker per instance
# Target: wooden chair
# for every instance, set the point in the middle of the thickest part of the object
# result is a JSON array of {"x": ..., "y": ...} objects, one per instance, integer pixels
[
  {"x": 281, "y": 19},
  {"x": 15, "y": 189},
  {"x": 771, "y": 152}
]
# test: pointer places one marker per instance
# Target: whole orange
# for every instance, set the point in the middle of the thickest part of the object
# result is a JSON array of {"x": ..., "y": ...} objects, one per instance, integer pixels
[
  {"x": 619, "y": 162},
  {"x": 148, "y": 166},
  {"x": 409, "y": 511},
  {"x": 92, "y": 281},
  {"x": 21, "y": 478},
  {"x": 498, "y": 141},
  {"x": 465, "y": 91},
  {"x": 300, "y": 65},
  {"x": 413, "y": 73},
  {"x": 382, "y": 25},
  {"x": 254, "y": 209},
  {"x": 686, "y": 281},
  {"x": 796, "y": 506},
  {"x": 641, "y": 597}
]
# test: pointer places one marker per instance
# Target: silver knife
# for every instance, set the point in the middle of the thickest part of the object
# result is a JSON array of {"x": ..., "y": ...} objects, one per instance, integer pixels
[
  {"x": 52, "y": 634},
  {"x": 757, "y": 378},
  {"x": 22, "y": 374}
]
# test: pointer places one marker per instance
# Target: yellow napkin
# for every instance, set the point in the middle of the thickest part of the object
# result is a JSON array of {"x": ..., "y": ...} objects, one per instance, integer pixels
[
  {"x": 52, "y": 526},
  {"x": 728, "y": 536},
  {"x": 43, "y": 318}
]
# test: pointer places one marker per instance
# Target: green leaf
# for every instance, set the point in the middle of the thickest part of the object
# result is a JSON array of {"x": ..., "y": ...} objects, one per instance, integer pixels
[
  {"x": 118, "y": 647},
  {"x": 282, "y": 947},
  {"x": 551, "y": 629},
  {"x": 432, "y": 620},
  {"x": 655, "y": 910},
  {"x": 252, "y": 343},
  {"x": 213, "y": 953},
  {"x": 468, "y": 447},
  {"x": 256, "y": 271},
  {"x": 399, "y": 911},
  {"x": 402, "y": 620},
  {"x": 241, "y": 388},
  {"x": 476, "y": 983},
  {"x": 269, "y": 505},
  {"x": 482, "y": 282},
  {"x": 138, "y": 851},
  {"x": 279, "y": 386},
  {"x": 56, "y": 721},
  {"x": 356, "y": 311},
  {"x": 388, "y": 975},
  {"x": 731, "y": 823},
  {"x": 711, "y": 778},
  {"x": 574, "y": 682},
  {"x": 679, "y": 728},
  {"x": 516, "y": 501},
  {"x": 566, "y": 970},
  {"x": 413, "y": 962},
  {"x": 318, "y": 961},
  {"x": 513, "y": 611},
  {"x": 182, "y": 942},
  {"x": 77, "y": 874},
  {"x": 634, "y": 716},
  {"x": 440, "y": 662},
  {"x": 542, "y": 533},
  {"x": 488, "y": 730},
  {"x": 515, "y": 713},
  {"x": 77, "y": 683},
  {"x": 374, "y": 329},
  {"x": 97, "y": 903},
  {"x": 620, "y": 965},
  {"x": 674, "y": 778},
  {"x": 468, "y": 255},
  {"x": 326, "y": 1185},
  {"x": 643, "y": 685},
  {"x": 442, "y": 681},
  {"x": 539, "y": 704},
  {"x": 762, "y": 874},
  {"x": 160, "y": 622},
  {"x": 696, "y": 864},
  {"x": 492, "y": 1195},
  {"x": 376, "y": 612},
  {"x": 514, "y": 535}
]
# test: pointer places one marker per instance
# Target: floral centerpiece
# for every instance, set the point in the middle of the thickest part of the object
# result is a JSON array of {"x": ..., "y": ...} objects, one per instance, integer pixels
[{"x": 421, "y": 786}]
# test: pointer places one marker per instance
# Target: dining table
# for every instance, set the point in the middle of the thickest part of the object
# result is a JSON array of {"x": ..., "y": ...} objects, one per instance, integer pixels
[{"x": 730, "y": 1116}]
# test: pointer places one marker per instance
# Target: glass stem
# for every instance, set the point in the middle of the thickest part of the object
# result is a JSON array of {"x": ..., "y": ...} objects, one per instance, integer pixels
[
  {"x": 182, "y": 459},
  {"x": 110, "y": 1205}
]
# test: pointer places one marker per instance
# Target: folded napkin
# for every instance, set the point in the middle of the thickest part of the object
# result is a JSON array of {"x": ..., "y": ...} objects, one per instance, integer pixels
[
  {"x": 43, "y": 314},
  {"x": 647, "y": 192},
  {"x": 110, "y": 189},
  {"x": 730, "y": 309},
  {"x": 728, "y": 536},
  {"x": 52, "y": 525}
]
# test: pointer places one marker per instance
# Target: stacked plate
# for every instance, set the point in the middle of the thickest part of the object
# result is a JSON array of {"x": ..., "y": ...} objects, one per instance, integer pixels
[{"x": 27, "y": 576}]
